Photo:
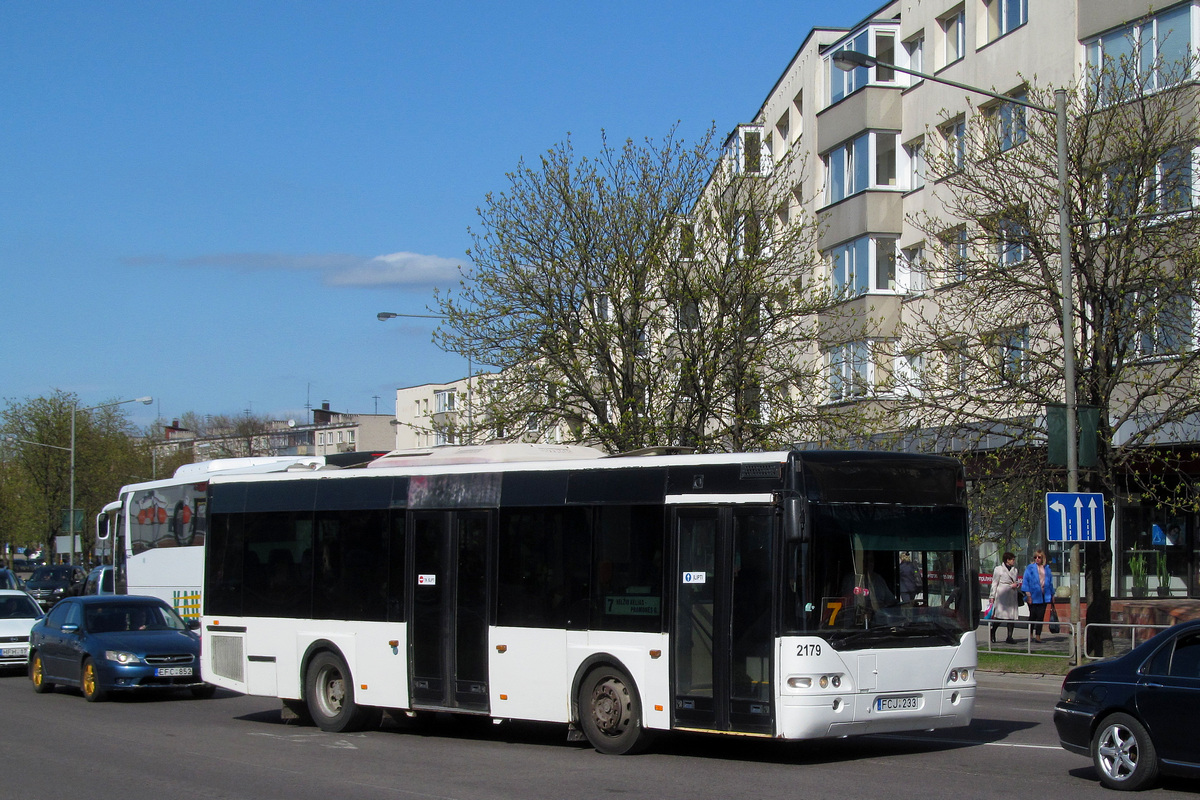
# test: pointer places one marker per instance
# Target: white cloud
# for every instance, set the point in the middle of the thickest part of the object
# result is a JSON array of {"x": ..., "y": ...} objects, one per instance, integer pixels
[
  {"x": 335, "y": 269},
  {"x": 397, "y": 269}
]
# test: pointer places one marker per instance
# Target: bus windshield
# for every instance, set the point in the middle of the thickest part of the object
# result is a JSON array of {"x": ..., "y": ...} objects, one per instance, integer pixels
[{"x": 880, "y": 575}]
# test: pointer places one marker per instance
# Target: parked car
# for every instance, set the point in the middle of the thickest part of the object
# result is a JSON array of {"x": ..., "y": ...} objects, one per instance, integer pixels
[
  {"x": 18, "y": 613},
  {"x": 49, "y": 584},
  {"x": 105, "y": 643},
  {"x": 1136, "y": 715},
  {"x": 10, "y": 580},
  {"x": 99, "y": 581}
]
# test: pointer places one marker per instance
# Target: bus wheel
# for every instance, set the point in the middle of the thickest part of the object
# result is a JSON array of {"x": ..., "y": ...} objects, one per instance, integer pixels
[
  {"x": 329, "y": 690},
  {"x": 610, "y": 712},
  {"x": 37, "y": 674}
]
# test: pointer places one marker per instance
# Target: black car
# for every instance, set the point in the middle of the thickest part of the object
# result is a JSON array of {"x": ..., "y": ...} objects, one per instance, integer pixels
[
  {"x": 1137, "y": 715},
  {"x": 49, "y": 584}
]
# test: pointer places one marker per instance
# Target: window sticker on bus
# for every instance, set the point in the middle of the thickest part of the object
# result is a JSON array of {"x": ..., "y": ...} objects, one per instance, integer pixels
[
  {"x": 694, "y": 577},
  {"x": 427, "y": 580},
  {"x": 833, "y": 606},
  {"x": 631, "y": 605}
]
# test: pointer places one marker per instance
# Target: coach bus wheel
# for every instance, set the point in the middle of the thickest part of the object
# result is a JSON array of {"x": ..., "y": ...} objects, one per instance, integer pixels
[
  {"x": 329, "y": 690},
  {"x": 610, "y": 712},
  {"x": 37, "y": 674}
]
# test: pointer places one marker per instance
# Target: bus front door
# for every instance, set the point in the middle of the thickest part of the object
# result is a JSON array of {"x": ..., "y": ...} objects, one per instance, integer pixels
[
  {"x": 448, "y": 610},
  {"x": 722, "y": 632}
]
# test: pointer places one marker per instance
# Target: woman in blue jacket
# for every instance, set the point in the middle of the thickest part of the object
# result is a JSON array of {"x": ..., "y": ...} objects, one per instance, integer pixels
[{"x": 1038, "y": 585}]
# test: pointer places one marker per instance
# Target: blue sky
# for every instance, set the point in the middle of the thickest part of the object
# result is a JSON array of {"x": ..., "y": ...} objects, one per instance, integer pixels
[{"x": 209, "y": 202}]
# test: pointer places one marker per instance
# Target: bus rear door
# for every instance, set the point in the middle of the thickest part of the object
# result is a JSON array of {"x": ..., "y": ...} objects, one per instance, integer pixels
[{"x": 449, "y": 599}]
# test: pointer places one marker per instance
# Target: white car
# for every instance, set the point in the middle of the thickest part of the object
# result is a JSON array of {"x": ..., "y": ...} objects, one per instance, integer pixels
[{"x": 18, "y": 613}]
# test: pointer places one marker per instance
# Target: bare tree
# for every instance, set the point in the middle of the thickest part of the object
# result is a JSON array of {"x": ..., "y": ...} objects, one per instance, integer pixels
[
  {"x": 659, "y": 294},
  {"x": 987, "y": 338}
]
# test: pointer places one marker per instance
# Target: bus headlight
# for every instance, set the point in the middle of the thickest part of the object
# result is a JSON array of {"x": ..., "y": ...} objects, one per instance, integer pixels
[
  {"x": 121, "y": 657},
  {"x": 823, "y": 681},
  {"x": 957, "y": 675}
]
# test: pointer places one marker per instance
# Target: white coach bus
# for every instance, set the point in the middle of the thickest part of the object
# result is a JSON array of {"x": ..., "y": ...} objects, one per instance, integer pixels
[
  {"x": 158, "y": 528},
  {"x": 792, "y": 595}
]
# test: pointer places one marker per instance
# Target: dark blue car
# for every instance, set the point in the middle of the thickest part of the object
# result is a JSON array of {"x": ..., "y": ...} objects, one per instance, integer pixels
[
  {"x": 105, "y": 643},
  {"x": 1138, "y": 714}
]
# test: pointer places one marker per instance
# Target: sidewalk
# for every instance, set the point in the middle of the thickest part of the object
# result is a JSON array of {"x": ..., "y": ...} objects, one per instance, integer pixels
[{"x": 1052, "y": 644}]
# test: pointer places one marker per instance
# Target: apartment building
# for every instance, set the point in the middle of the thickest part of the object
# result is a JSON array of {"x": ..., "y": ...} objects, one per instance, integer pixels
[{"x": 860, "y": 143}]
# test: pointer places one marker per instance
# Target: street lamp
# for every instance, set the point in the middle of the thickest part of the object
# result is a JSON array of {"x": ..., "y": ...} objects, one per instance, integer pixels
[
  {"x": 75, "y": 409},
  {"x": 848, "y": 60},
  {"x": 384, "y": 316}
]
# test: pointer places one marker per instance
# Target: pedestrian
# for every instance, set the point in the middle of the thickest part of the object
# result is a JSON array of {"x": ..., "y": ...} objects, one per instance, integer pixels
[
  {"x": 909, "y": 583},
  {"x": 1006, "y": 591},
  {"x": 1038, "y": 585}
]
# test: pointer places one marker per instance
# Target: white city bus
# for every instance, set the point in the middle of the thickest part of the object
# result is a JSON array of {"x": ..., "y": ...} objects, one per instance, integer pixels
[
  {"x": 790, "y": 595},
  {"x": 161, "y": 526}
]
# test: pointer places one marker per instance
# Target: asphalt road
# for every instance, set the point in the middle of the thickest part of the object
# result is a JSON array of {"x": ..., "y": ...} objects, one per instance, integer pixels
[{"x": 58, "y": 745}]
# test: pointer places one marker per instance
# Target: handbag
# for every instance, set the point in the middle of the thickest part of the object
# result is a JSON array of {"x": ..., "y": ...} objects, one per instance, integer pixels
[
  {"x": 990, "y": 610},
  {"x": 1053, "y": 619}
]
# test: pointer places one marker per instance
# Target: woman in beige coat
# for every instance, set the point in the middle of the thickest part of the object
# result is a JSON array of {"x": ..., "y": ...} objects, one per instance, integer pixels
[{"x": 1006, "y": 590}]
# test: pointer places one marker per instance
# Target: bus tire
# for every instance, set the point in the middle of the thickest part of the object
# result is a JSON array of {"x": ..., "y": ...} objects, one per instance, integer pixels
[
  {"x": 610, "y": 712},
  {"x": 37, "y": 674},
  {"x": 329, "y": 692}
]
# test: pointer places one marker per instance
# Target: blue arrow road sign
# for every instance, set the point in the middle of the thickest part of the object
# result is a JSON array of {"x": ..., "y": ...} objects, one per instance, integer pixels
[{"x": 1074, "y": 517}]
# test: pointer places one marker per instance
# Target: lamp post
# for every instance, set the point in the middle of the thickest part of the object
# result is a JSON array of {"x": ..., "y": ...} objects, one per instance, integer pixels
[
  {"x": 75, "y": 409},
  {"x": 848, "y": 60},
  {"x": 384, "y": 316}
]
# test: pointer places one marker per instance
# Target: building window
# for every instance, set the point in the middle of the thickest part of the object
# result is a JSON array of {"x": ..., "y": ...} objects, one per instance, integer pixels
[
  {"x": 782, "y": 129},
  {"x": 689, "y": 316},
  {"x": 1012, "y": 354},
  {"x": 1154, "y": 52},
  {"x": 443, "y": 400},
  {"x": 914, "y": 156},
  {"x": 954, "y": 36},
  {"x": 957, "y": 246},
  {"x": 849, "y": 370},
  {"x": 908, "y": 371},
  {"x": 863, "y": 265},
  {"x": 602, "y": 306},
  {"x": 1005, "y": 16},
  {"x": 911, "y": 277},
  {"x": 878, "y": 41},
  {"x": 687, "y": 241},
  {"x": 954, "y": 139},
  {"x": 1008, "y": 122},
  {"x": 1012, "y": 240},
  {"x": 866, "y": 162},
  {"x": 747, "y": 151},
  {"x": 914, "y": 50},
  {"x": 1163, "y": 323}
]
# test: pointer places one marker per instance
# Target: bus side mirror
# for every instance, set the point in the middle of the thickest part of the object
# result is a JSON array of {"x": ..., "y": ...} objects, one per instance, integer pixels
[
  {"x": 102, "y": 528},
  {"x": 794, "y": 519}
]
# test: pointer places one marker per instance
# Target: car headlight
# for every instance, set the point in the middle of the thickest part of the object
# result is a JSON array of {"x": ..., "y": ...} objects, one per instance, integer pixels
[
  {"x": 121, "y": 657},
  {"x": 59, "y": 590}
]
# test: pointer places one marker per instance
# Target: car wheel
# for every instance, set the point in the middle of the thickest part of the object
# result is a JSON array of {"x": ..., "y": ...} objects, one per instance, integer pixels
[
  {"x": 204, "y": 691},
  {"x": 610, "y": 712},
  {"x": 329, "y": 692},
  {"x": 89, "y": 682},
  {"x": 37, "y": 674},
  {"x": 1123, "y": 753}
]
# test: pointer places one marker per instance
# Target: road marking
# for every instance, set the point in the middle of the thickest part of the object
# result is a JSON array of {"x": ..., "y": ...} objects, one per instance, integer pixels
[{"x": 300, "y": 738}]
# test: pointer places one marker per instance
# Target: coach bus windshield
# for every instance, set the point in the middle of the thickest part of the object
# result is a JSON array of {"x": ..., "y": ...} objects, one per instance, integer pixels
[{"x": 883, "y": 575}]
